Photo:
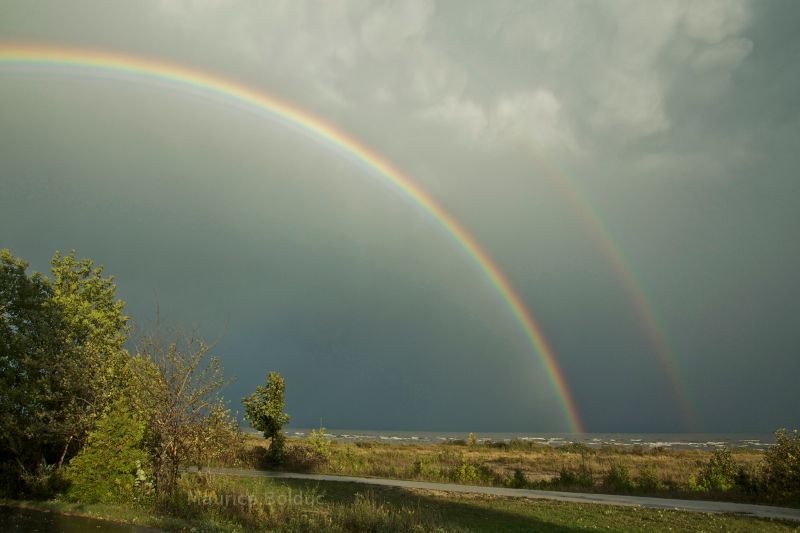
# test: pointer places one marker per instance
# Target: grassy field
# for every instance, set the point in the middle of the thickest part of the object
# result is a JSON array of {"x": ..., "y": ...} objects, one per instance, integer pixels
[
  {"x": 218, "y": 503},
  {"x": 657, "y": 472}
]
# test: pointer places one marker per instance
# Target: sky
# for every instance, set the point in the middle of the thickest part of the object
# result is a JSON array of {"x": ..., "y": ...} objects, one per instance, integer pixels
[{"x": 669, "y": 129}]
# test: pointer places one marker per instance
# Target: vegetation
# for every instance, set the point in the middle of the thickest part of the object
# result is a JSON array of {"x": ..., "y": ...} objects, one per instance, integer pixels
[
  {"x": 209, "y": 504},
  {"x": 178, "y": 390},
  {"x": 95, "y": 429},
  {"x": 61, "y": 364},
  {"x": 110, "y": 468},
  {"x": 264, "y": 410},
  {"x": 78, "y": 414},
  {"x": 782, "y": 467},
  {"x": 732, "y": 475}
]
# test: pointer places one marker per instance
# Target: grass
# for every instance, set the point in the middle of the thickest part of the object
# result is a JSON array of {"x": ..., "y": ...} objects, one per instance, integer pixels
[
  {"x": 296, "y": 505},
  {"x": 520, "y": 464}
]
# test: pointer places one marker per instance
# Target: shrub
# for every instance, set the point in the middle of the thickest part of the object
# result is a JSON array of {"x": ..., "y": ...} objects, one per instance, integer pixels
[
  {"x": 781, "y": 472},
  {"x": 517, "y": 480},
  {"x": 465, "y": 472},
  {"x": 719, "y": 473},
  {"x": 300, "y": 457},
  {"x": 581, "y": 477},
  {"x": 110, "y": 467},
  {"x": 576, "y": 447},
  {"x": 472, "y": 440},
  {"x": 618, "y": 478},
  {"x": 648, "y": 479},
  {"x": 317, "y": 440},
  {"x": 44, "y": 482},
  {"x": 424, "y": 468}
]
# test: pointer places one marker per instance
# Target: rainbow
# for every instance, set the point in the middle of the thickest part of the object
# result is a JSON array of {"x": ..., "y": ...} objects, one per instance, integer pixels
[
  {"x": 601, "y": 237},
  {"x": 26, "y": 57}
]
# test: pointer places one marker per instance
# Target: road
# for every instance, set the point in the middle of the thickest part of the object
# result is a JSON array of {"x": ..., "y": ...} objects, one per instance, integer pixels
[{"x": 700, "y": 506}]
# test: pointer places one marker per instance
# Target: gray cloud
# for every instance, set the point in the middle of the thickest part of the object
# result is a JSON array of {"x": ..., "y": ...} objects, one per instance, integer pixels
[{"x": 679, "y": 121}]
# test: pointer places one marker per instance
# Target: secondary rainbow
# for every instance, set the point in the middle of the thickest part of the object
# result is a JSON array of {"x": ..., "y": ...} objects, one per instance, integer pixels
[
  {"x": 37, "y": 56},
  {"x": 601, "y": 237}
]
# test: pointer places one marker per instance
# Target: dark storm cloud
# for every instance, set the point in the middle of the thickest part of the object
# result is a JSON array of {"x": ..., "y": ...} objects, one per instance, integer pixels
[{"x": 679, "y": 121}]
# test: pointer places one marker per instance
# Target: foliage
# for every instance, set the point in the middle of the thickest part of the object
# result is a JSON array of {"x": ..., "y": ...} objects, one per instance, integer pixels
[
  {"x": 61, "y": 358},
  {"x": 719, "y": 473},
  {"x": 321, "y": 445},
  {"x": 517, "y": 480},
  {"x": 219, "y": 440},
  {"x": 648, "y": 479},
  {"x": 781, "y": 471},
  {"x": 618, "y": 478},
  {"x": 264, "y": 411},
  {"x": 465, "y": 472},
  {"x": 472, "y": 440},
  {"x": 178, "y": 395},
  {"x": 111, "y": 467},
  {"x": 582, "y": 477}
]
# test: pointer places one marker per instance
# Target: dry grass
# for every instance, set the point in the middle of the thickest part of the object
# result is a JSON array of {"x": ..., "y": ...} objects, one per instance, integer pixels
[{"x": 486, "y": 464}]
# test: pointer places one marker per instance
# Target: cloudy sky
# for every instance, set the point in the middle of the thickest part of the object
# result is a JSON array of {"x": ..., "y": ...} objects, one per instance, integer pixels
[{"x": 670, "y": 129}]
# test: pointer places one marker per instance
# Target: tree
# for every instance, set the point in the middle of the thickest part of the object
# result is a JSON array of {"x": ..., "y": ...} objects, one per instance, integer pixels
[
  {"x": 61, "y": 358},
  {"x": 264, "y": 410},
  {"x": 107, "y": 468},
  {"x": 91, "y": 333},
  {"x": 27, "y": 343},
  {"x": 177, "y": 392}
]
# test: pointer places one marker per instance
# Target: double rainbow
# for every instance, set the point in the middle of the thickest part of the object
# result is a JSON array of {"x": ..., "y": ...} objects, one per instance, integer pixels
[{"x": 26, "y": 57}]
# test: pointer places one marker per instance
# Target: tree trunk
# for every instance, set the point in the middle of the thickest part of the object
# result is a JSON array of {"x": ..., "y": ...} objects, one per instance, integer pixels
[{"x": 64, "y": 453}]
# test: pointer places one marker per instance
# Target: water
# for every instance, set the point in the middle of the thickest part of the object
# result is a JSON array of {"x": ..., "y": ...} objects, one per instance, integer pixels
[
  {"x": 16, "y": 519},
  {"x": 677, "y": 441}
]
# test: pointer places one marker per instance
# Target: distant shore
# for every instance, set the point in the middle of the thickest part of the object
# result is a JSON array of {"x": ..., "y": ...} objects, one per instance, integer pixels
[{"x": 677, "y": 441}]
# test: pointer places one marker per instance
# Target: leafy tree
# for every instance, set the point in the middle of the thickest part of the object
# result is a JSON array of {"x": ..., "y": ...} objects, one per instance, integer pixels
[
  {"x": 27, "y": 343},
  {"x": 107, "y": 468},
  {"x": 61, "y": 358},
  {"x": 264, "y": 410},
  {"x": 92, "y": 362},
  {"x": 178, "y": 390}
]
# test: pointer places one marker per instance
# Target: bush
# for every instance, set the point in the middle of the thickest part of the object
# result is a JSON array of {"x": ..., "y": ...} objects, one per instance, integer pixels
[
  {"x": 648, "y": 479},
  {"x": 576, "y": 447},
  {"x": 618, "y": 478},
  {"x": 44, "y": 482},
  {"x": 517, "y": 480},
  {"x": 300, "y": 457},
  {"x": 424, "y": 468},
  {"x": 719, "y": 473},
  {"x": 472, "y": 440},
  {"x": 781, "y": 473},
  {"x": 582, "y": 477},
  {"x": 111, "y": 467},
  {"x": 465, "y": 472},
  {"x": 317, "y": 440}
]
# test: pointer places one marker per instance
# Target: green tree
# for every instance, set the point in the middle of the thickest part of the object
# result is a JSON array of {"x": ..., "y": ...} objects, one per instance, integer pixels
[
  {"x": 264, "y": 410},
  {"x": 27, "y": 343},
  {"x": 61, "y": 358},
  {"x": 107, "y": 468},
  {"x": 92, "y": 362}
]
